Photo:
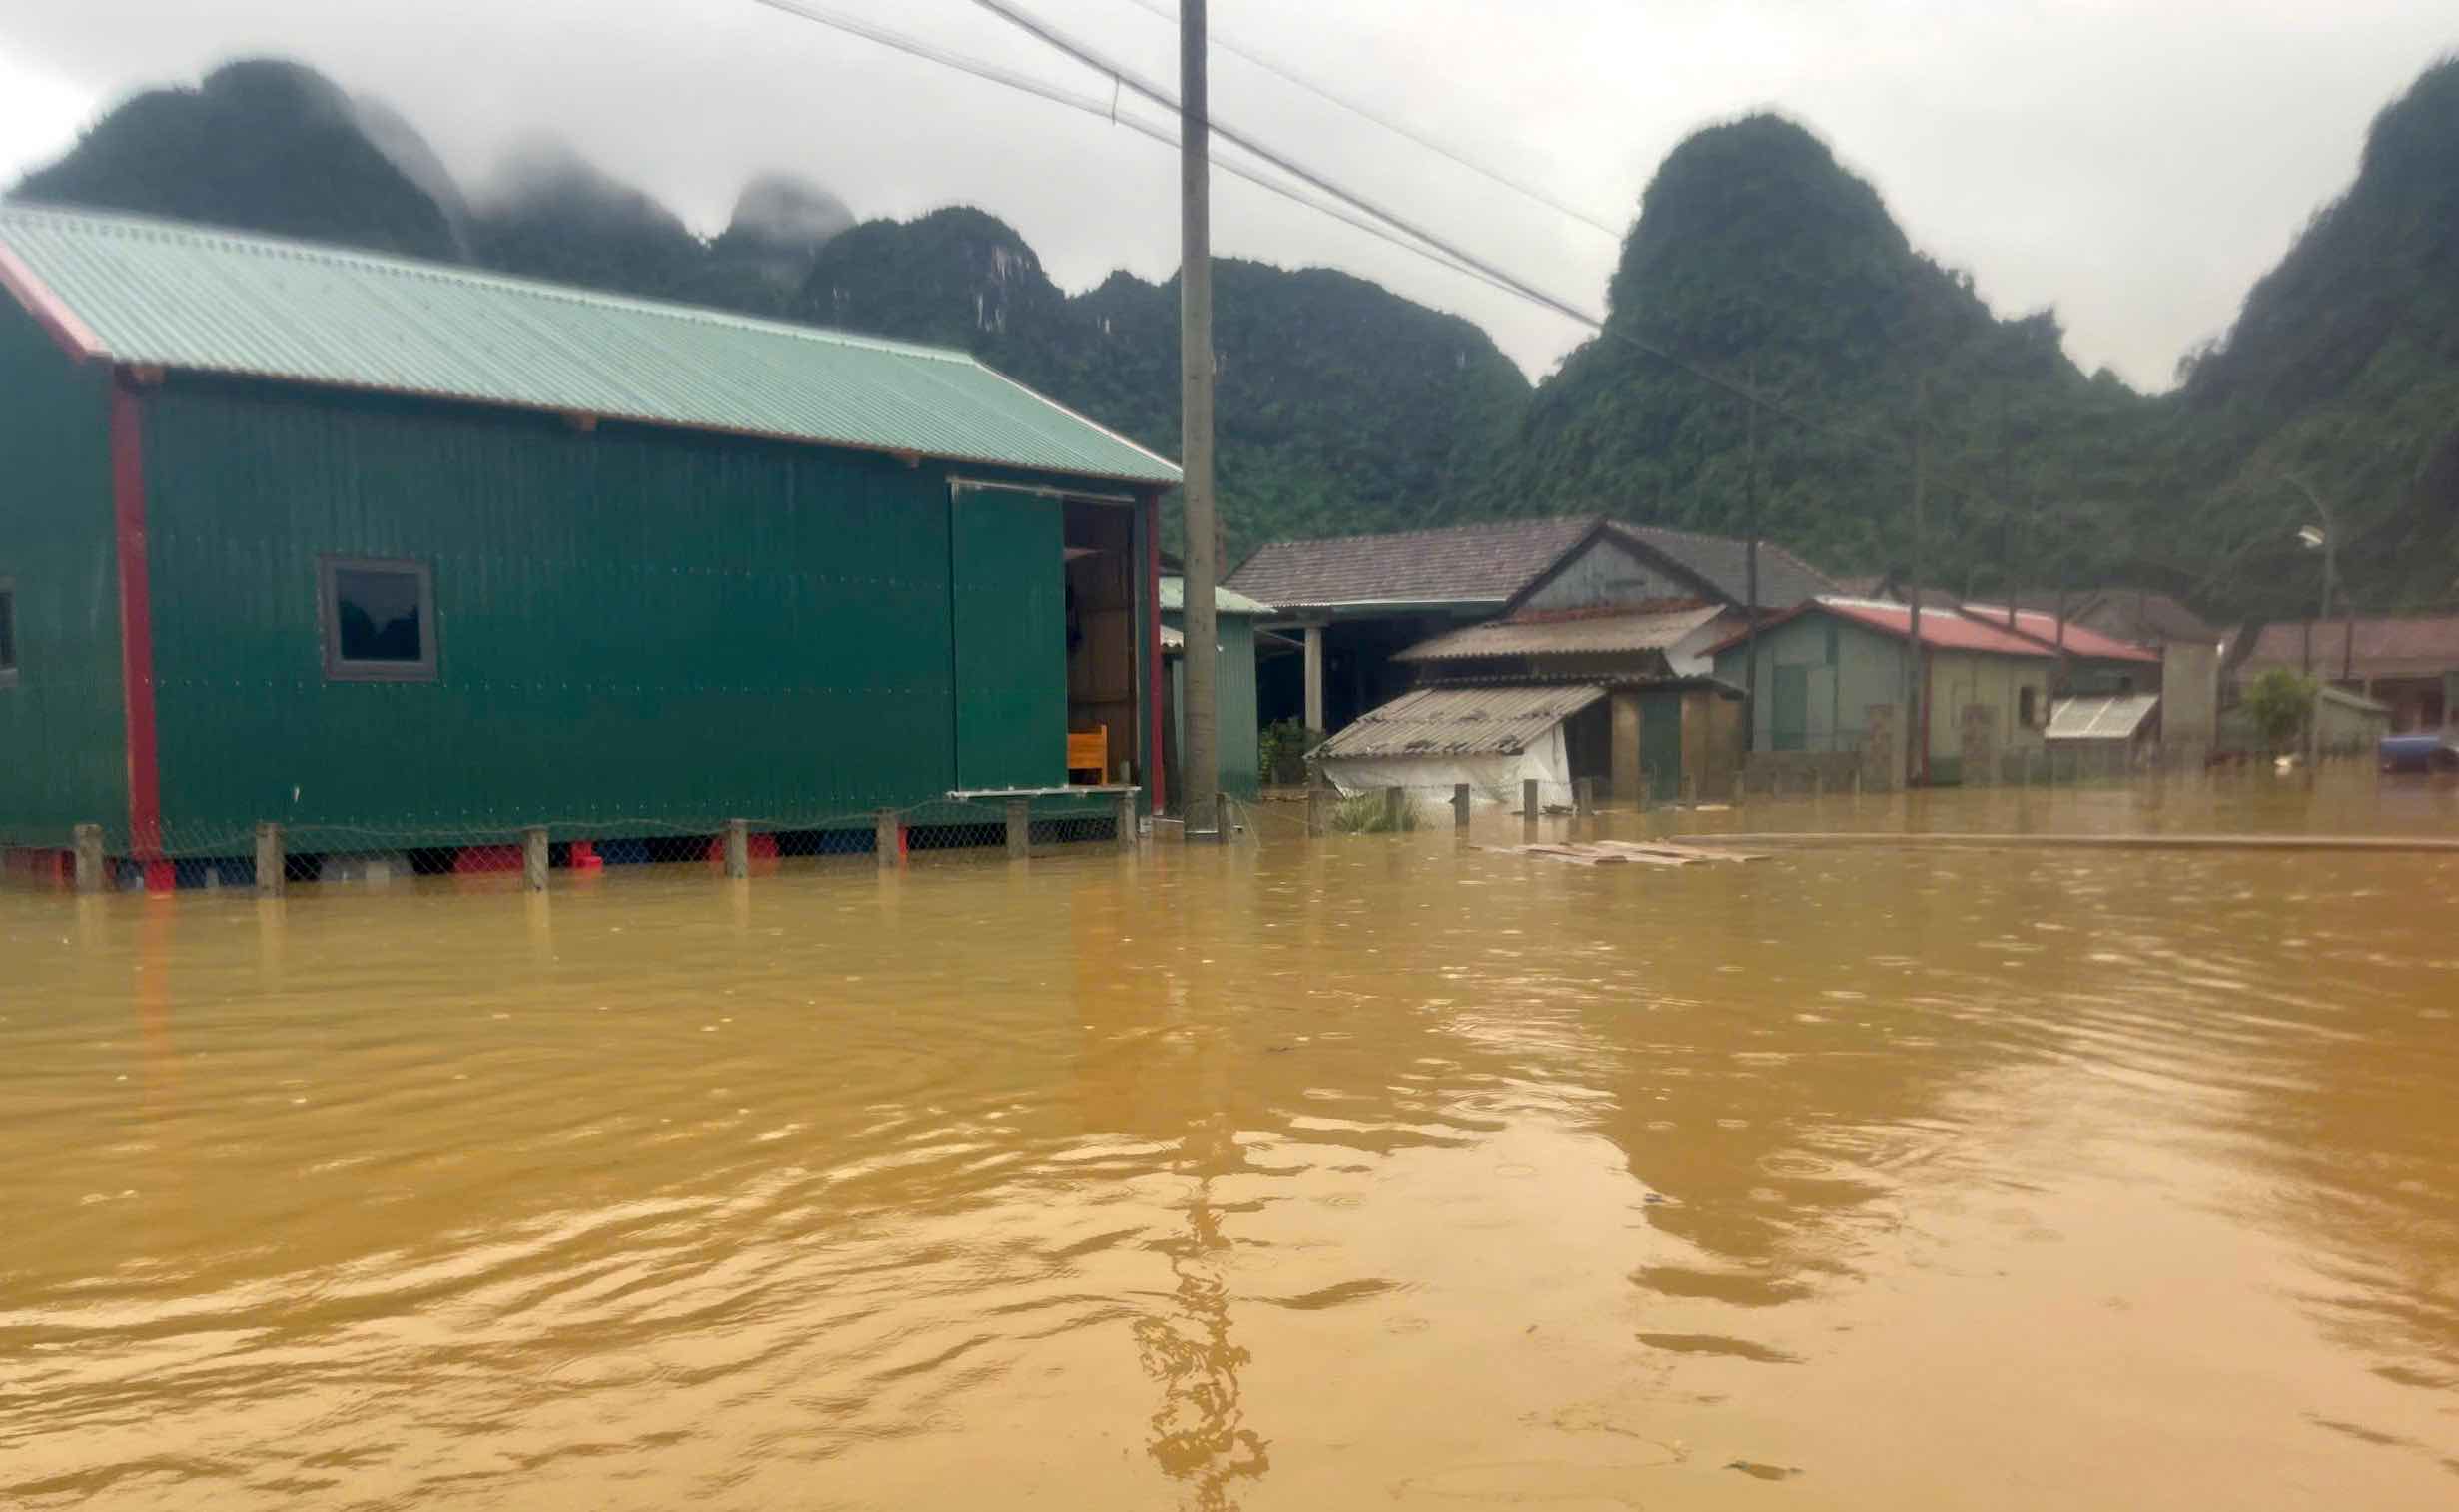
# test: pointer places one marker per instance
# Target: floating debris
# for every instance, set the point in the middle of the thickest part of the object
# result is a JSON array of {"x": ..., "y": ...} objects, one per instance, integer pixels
[{"x": 1619, "y": 852}]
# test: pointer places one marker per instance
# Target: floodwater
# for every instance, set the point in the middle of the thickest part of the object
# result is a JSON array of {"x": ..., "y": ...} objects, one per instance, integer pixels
[{"x": 1373, "y": 1172}]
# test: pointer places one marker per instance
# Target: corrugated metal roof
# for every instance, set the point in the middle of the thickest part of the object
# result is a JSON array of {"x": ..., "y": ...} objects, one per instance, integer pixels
[
  {"x": 2384, "y": 647},
  {"x": 157, "y": 293},
  {"x": 1225, "y": 601},
  {"x": 1497, "y": 720},
  {"x": 1590, "y": 634},
  {"x": 2079, "y": 640},
  {"x": 2113, "y": 718},
  {"x": 1941, "y": 629},
  {"x": 2130, "y": 614},
  {"x": 1463, "y": 563}
]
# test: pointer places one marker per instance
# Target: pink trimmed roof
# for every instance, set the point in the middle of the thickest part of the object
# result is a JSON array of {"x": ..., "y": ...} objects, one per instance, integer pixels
[
  {"x": 2089, "y": 644},
  {"x": 1941, "y": 629}
]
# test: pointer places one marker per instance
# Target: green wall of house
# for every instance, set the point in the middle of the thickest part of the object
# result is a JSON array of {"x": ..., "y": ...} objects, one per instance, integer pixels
[
  {"x": 61, "y": 753},
  {"x": 1819, "y": 675},
  {"x": 637, "y": 630},
  {"x": 1234, "y": 691}
]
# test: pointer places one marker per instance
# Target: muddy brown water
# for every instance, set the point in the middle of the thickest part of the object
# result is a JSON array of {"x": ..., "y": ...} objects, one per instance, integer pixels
[{"x": 1373, "y": 1172}]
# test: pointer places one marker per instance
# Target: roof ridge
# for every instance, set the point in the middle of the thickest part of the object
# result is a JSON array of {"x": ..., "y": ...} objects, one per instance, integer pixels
[
  {"x": 1583, "y": 520},
  {"x": 35, "y": 211}
]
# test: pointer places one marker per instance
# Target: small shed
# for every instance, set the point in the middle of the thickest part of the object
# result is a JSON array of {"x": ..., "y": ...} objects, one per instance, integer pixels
[
  {"x": 1663, "y": 731},
  {"x": 1493, "y": 737},
  {"x": 2347, "y": 723},
  {"x": 2101, "y": 732},
  {"x": 1237, "y": 643}
]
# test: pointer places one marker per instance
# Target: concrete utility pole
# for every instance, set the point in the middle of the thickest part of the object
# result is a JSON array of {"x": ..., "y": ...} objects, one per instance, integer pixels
[
  {"x": 1203, "y": 756},
  {"x": 1750, "y": 566}
]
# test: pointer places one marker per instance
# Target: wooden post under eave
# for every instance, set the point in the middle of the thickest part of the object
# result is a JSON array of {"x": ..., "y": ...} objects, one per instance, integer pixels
[
  {"x": 1531, "y": 804},
  {"x": 1584, "y": 795},
  {"x": 533, "y": 858},
  {"x": 1459, "y": 805},
  {"x": 1019, "y": 828},
  {"x": 93, "y": 868},
  {"x": 1318, "y": 810},
  {"x": 272, "y": 861},
  {"x": 1396, "y": 807},
  {"x": 738, "y": 847},
  {"x": 886, "y": 837},
  {"x": 1125, "y": 820}
]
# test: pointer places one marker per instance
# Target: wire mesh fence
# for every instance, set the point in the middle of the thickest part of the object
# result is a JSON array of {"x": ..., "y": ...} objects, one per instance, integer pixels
[{"x": 271, "y": 855}]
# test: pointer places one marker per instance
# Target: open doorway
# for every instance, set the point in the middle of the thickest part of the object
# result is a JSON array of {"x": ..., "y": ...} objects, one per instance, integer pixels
[{"x": 1102, "y": 636}]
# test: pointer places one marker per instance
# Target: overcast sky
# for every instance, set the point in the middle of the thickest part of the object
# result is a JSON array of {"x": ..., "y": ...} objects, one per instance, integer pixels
[{"x": 2135, "y": 164}]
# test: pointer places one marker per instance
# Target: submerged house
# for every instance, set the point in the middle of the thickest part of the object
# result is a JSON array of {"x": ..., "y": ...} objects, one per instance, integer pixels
[
  {"x": 1834, "y": 673},
  {"x": 1658, "y": 726},
  {"x": 2407, "y": 663},
  {"x": 1237, "y": 644},
  {"x": 340, "y": 542},
  {"x": 1361, "y": 601}
]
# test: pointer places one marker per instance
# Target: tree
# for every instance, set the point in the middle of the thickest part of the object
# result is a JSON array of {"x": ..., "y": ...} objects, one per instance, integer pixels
[{"x": 2279, "y": 701}]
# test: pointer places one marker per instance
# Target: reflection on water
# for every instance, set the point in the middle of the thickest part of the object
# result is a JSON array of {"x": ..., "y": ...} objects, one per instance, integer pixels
[{"x": 1377, "y": 1171}]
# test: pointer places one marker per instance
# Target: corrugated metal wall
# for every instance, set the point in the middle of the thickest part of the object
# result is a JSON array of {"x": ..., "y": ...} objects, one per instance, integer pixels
[
  {"x": 1233, "y": 694},
  {"x": 1011, "y": 642},
  {"x": 631, "y": 622},
  {"x": 61, "y": 760}
]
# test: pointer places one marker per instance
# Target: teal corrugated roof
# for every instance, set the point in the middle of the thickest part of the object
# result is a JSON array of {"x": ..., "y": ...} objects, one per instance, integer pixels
[
  {"x": 1225, "y": 601},
  {"x": 159, "y": 294}
]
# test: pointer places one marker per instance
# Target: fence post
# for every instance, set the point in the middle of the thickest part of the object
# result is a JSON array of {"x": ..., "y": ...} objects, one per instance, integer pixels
[
  {"x": 1318, "y": 809},
  {"x": 533, "y": 858},
  {"x": 1395, "y": 805},
  {"x": 1584, "y": 795},
  {"x": 1532, "y": 806},
  {"x": 1019, "y": 828},
  {"x": 884, "y": 838},
  {"x": 738, "y": 847},
  {"x": 1125, "y": 820},
  {"x": 93, "y": 874},
  {"x": 271, "y": 863},
  {"x": 1459, "y": 805}
]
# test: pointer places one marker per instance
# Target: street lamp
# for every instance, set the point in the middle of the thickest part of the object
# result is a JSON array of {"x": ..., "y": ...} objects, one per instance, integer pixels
[{"x": 2325, "y": 538}]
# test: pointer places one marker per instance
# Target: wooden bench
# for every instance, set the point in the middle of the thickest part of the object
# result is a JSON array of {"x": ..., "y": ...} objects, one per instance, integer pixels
[{"x": 1089, "y": 751}]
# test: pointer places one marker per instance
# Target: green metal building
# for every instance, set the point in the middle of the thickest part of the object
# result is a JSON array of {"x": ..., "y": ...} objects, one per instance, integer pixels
[
  {"x": 368, "y": 546},
  {"x": 1233, "y": 686}
]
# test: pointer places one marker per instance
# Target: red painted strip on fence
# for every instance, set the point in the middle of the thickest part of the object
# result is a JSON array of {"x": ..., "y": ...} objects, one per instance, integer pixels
[
  {"x": 136, "y": 636},
  {"x": 73, "y": 336},
  {"x": 1152, "y": 638}
]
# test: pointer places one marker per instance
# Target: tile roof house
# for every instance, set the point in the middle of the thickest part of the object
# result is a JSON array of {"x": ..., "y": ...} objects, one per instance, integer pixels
[
  {"x": 1481, "y": 565},
  {"x": 1365, "y": 600},
  {"x": 2410, "y": 663}
]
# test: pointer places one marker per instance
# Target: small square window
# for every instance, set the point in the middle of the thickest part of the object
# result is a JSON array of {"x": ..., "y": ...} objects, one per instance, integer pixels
[
  {"x": 8, "y": 632},
  {"x": 379, "y": 620}
]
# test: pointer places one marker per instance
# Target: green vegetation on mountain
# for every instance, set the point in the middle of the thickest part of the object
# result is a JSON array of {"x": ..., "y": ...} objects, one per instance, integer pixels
[
  {"x": 259, "y": 145},
  {"x": 2342, "y": 371},
  {"x": 1341, "y": 406},
  {"x": 1758, "y": 261},
  {"x": 1755, "y": 259}
]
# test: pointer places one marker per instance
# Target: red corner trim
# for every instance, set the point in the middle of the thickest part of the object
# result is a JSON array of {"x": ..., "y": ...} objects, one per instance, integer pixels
[{"x": 137, "y": 635}]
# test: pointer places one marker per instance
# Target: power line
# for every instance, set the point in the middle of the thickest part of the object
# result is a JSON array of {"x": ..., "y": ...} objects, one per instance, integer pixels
[
  {"x": 1411, "y": 237},
  {"x": 1162, "y": 95},
  {"x": 1151, "y": 7},
  {"x": 1107, "y": 110}
]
